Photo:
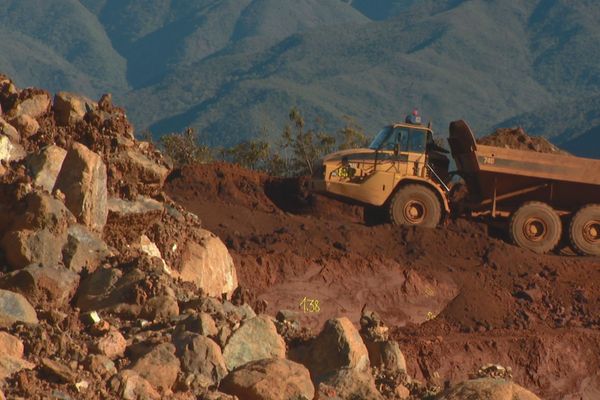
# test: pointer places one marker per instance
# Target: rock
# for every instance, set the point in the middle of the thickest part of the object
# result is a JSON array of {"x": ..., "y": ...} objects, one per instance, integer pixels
[
  {"x": 138, "y": 165},
  {"x": 46, "y": 165},
  {"x": 10, "y": 131},
  {"x": 200, "y": 357},
  {"x": 101, "y": 365},
  {"x": 487, "y": 389},
  {"x": 26, "y": 125},
  {"x": 386, "y": 355},
  {"x": 129, "y": 385},
  {"x": 27, "y": 247},
  {"x": 84, "y": 249},
  {"x": 34, "y": 104},
  {"x": 82, "y": 179},
  {"x": 255, "y": 339},
  {"x": 159, "y": 367},
  {"x": 11, "y": 356},
  {"x": 148, "y": 247},
  {"x": 139, "y": 206},
  {"x": 59, "y": 370},
  {"x": 70, "y": 108},
  {"x": 109, "y": 289},
  {"x": 49, "y": 286},
  {"x": 270, "y": 379},
  {"x": 202, "y": 324},
  {"x": 44, "y": 212},
  {"x": 160, "y": 308},
  {"x": 353, "y": 384},
  {"x": 15, "y": 308},
  {"x": 10, "y": 151},
  {"x": 209, "y": 265},
  {"x": 112, "y": 345},
  {"x": 339, "y": 345}
]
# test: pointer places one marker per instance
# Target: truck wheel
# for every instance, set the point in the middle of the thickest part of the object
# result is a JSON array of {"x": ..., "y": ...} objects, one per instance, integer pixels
[
  {"x": 584, "y": 230},
  {"x": 415, "y": 205},
  {"x": 535, "y": 226}
]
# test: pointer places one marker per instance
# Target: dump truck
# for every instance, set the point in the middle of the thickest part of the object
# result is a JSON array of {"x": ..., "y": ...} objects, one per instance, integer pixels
[{"x": 542, "y": 199}]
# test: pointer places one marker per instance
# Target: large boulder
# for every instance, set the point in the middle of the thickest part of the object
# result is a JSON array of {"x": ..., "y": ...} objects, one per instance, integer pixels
[
  {"x": 15, "y": 308},
  {"x": 160, "y": 366},
  {"x": 487, "y": 389},
  {"x": 83, "y": 181},
  {"x": 136, "y": 164},
  {"x": 25, "y": 247},
  {"x": 45, "y": 166},
  {"x": 11, "y": 356},
  {"x": 255, "y": 339},
  {"x": 270, "y": 379},
  {"x": 43, "y": 285},
  {"x": 352, "y": 384},
  {"x": 209, "y": 265},
  {"x": 338, "y": 346},
  {"x": 84, "y": 249},
  {"x": 44, "y": 212},
  {"x": 129, "y": 385},
  {"x": 10, "y": 151},
  {"x": 201, "y": 360},
  {"x": 70, "y": 108}
]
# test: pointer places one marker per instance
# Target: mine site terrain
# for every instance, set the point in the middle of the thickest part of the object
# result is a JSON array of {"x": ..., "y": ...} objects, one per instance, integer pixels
[{"x": 124, "y": 277}]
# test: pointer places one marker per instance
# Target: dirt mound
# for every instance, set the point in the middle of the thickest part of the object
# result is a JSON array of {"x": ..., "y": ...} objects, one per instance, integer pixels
[
  {"x": 517, "y": 138},
  {"x": 455, "y": 284}
]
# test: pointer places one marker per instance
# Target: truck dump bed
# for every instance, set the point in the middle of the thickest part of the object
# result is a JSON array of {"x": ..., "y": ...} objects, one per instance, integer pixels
[{"x": 497, "y": 174}]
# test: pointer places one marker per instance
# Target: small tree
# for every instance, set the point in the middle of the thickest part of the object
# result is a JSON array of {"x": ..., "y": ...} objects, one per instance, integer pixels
[
  {"x": 352, "y": 135},
  {"x": 185, "y": 148}
]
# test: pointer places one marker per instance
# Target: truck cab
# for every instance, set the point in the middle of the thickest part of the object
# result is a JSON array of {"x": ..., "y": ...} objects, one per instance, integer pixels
[{"x": 402, "y": 170}]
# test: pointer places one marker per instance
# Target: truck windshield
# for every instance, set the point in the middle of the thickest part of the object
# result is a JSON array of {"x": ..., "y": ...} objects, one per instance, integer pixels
[{"x": 383, "y": 137}]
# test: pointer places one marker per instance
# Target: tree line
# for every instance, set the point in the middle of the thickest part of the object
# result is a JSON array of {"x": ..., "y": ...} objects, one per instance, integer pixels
[{"x": 293, "y": 153}]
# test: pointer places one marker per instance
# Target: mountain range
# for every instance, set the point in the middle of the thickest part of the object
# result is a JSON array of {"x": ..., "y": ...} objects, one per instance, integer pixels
[{"x": 233, "y": 68}]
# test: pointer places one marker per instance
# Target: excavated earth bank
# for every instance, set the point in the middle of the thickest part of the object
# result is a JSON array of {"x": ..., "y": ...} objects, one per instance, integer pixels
[{"x": 457, "y": 296}]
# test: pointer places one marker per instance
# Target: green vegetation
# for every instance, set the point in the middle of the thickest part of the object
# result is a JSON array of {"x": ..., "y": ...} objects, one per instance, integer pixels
[
  {"x": 231, "y": 68},
  {"x": 295, "y": 153}
]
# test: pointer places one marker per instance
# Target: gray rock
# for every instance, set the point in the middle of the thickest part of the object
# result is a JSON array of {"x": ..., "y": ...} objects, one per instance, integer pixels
[
  {"x": 84, "y": 249},
  {"x": 15, "y": 308},
  {"x": 255, "y": 339},
  {"x": 160, "y": 308},
  {"x": 270, "y": 379},
  {"x": 202, "y": 324},
  {"x": 36, "y": 105},
  {"x": 338, "y": 346},
  {"x": 353, "y": 384},
  {"x": 83, "y": 181},
  {"x": 46, "y": 165},
  {"x": 386, "y": 355},
  {"x": 43, "y": 286},
  {"x": 202, "y": 358}
]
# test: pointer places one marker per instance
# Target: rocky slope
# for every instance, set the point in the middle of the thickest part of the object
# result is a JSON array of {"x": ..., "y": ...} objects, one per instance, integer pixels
[{"x": 110, "y": 289}]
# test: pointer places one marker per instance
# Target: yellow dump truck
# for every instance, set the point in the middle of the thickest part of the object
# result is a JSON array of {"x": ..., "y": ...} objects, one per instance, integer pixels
[{"x": 543, "y": 197}]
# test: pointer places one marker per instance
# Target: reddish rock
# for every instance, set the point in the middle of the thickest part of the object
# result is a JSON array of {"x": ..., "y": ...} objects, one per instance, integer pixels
[
  {"x": 112, "y": 345},
  {"x": 70, "y": 108},
  {"x": 160, "y": 308},
  {"x": 129, "y": 385},
  {"x": 46, "y": 165},
  {"x": 269, "y": 379},
  {"x": 26, "y": 125},
  {"x": 159, "y": 367},
  {"x": 488, "y": 389},
  {"x": 11, "y": 356}
]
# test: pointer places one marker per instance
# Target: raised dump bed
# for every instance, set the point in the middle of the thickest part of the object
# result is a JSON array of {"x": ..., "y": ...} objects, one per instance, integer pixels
[{"x": 539, "y": 192}]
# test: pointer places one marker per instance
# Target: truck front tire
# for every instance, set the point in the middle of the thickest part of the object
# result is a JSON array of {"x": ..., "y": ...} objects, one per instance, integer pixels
[
  {"x": 415, "y": 205},
  {"x": 535, "y": 226},
  {"x": 584, "y": 230}
]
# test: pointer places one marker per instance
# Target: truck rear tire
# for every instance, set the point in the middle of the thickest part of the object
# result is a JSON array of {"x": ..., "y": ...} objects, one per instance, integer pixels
[
  {"x": 584, "y": 230},
  {"x": 535, "y": 226},
  {"x": 415, "y": 205}
]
